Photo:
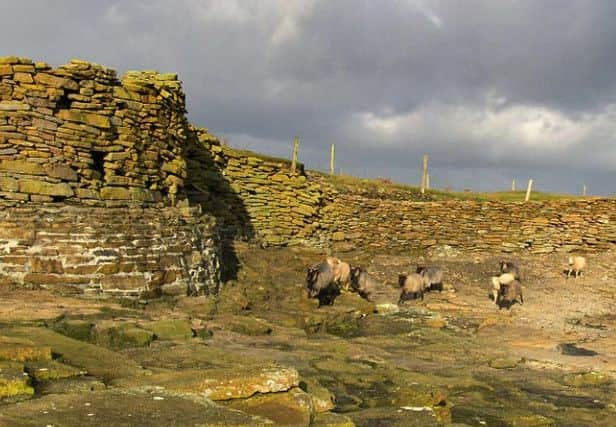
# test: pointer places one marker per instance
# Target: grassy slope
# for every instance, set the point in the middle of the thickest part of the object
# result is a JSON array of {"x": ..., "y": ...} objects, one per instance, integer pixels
[
  {"x": 354, "y": 184},
  {"x": 375, "y": 186}
]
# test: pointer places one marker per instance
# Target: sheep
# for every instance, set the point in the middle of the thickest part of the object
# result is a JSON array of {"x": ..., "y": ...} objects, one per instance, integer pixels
[
  {"x": 320, "y": 283},
  {"x": 433, "y": 277},
  {"x": 576, "y": 265},
  {"x": 342, "y": 272},
  {"x": 412, "y": 285},
  {"x": 510, "y": 294},
  {"x": 510, "y": 267},
  {"x": 499, "y": 283},
  {"x": 362, "y": 282}
]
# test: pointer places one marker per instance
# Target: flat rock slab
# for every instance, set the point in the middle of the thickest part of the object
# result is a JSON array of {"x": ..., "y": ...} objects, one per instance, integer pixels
[
  {"x": 71, "y": 385},
  {"x": 293, "y": 408},
  {"x": 96, "y": 360},
  {"x": 222, "y": 383},
  {"x": 330, "y": 419},
  {"x": 49, "y": 370},
  {"x": 393, "y": 417},
  {"x": 124, "y": 408}
]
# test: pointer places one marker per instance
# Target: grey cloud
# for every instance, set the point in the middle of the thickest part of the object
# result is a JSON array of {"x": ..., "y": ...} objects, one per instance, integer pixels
[{"x": 262, "y": 71}]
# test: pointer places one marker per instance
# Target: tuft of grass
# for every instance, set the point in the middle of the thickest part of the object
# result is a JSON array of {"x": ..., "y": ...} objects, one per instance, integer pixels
[{"x": 502, "y": 196}]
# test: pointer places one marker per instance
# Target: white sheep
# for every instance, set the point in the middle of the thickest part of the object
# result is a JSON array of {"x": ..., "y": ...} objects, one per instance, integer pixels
[
  {"x": 342, "y": 272},
  {"x": 576, "y": 265},
  {"x": 498, "y": 283}
]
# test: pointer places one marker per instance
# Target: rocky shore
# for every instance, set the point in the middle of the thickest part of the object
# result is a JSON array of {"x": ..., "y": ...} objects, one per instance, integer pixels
[{"x": 262, "y": 353}]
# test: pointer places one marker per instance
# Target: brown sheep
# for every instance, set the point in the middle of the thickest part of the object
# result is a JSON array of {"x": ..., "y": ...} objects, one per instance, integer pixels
[
  {"x": 412, "y": 286},
  {"x": 362, "y": 282},
  {"x": 320, "y": 283}
]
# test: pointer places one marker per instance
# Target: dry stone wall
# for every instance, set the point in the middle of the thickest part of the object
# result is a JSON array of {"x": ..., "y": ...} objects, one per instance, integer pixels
[
  {"x": 126, "y": 251},
  {"x": 537, "y": 227},
  {"x": 76, "y": 133},
  {"x": 261, "y": 196},
  {"x": 253, "y": 196}
]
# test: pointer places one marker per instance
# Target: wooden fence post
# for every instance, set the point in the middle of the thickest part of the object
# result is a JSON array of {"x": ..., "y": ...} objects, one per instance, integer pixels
[
  {"x": 295, "y": 154},
  {"x": 424, "y": 172},
  {"x": 332, "y": 161},
  {"x": 528, "y": 190}
]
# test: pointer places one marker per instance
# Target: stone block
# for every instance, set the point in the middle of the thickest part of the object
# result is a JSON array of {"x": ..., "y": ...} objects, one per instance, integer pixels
[
  {"x": 22, "y": 167},
  {"x": 123, "y": 282},
  {"x": 32, "y": 186},
  {"x": 8, "y": 184}
]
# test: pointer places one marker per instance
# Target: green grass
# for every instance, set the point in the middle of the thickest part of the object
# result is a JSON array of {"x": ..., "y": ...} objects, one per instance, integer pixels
[
  {"x": 385, "y": 187},
  {"x": 503, "y": 196}
]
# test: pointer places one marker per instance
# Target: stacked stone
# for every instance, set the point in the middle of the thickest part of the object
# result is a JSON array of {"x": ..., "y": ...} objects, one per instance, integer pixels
[
  {"x": 537, "y": 227},
  {"x": 125, "y": 251},
  {"x": 254, "y": 193},
  {"x": 76, "y": 133},
  {"x": 259, "y": 194}
]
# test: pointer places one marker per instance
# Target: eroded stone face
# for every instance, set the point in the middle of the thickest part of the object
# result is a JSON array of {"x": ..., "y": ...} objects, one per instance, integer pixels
[
  {"x": 118, "y": 251},
  {"x": 88, "y": 136}
]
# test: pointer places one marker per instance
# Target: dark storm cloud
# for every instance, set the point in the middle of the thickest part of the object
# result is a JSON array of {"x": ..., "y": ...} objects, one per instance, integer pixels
[{"x": 490, "y": 89}]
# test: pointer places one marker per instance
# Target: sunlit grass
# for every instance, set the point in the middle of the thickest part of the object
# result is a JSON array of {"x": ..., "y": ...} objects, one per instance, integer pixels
[{"x": 346, "y": 183}]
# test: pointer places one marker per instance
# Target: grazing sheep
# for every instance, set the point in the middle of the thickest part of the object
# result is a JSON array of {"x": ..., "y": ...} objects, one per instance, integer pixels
[
  {"x": 510, "y": 294},
  {"x": 576, "y": 265},
  {"x": 412, "y": 285},
  {"x": 342, "y": 272},
  {"x": 499, "y": 283},
  {"x": 510, "y": 267},
  {"x": 320, "y": 283},
  {"x": 362, "y": 282},
  {"x": 433, "y": 277}
]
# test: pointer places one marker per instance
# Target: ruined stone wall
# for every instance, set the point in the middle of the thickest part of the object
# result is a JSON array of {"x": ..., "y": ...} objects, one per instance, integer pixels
[
  {"x": 78, "y": 134},
  {"x": 253, "y": 196},
  {"x": 538, "y": 227},
  {"x": 282, "y": 208},
  {"x": 119, "y": 250}
]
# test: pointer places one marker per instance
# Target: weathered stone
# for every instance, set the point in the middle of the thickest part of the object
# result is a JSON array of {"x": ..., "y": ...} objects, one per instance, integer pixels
[
  {"x": 587, "y": 379},
  {"x": 32, "y": 186},
  {"x": 92, "y": 119},
  {"x": 23, "y": 77},
  {"x": 121, "y": 193},
  {"x": 40, "y": 265},
  {"x": 123, "y": 282},
  {"x": 95, "y": 360},
  {"x": 222, "y": 384},
  {"x": 8, "y": 184},
  {"x": 126, "y": 407},
  {"x": 63, "y": 172},
  {"x": 330, "y": 419},
  {"x": 293, "y": 408},
  {"x": 169, "y": 329},
  {"x": 51, "y": 370},
  {"x": 118, "y": 336},
  {"x": 14, "y": 106},
  {"x": 54, "y": 81}
]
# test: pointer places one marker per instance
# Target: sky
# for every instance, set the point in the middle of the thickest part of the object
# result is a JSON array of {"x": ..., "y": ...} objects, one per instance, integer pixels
[{"x": 490, "y": 90}]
